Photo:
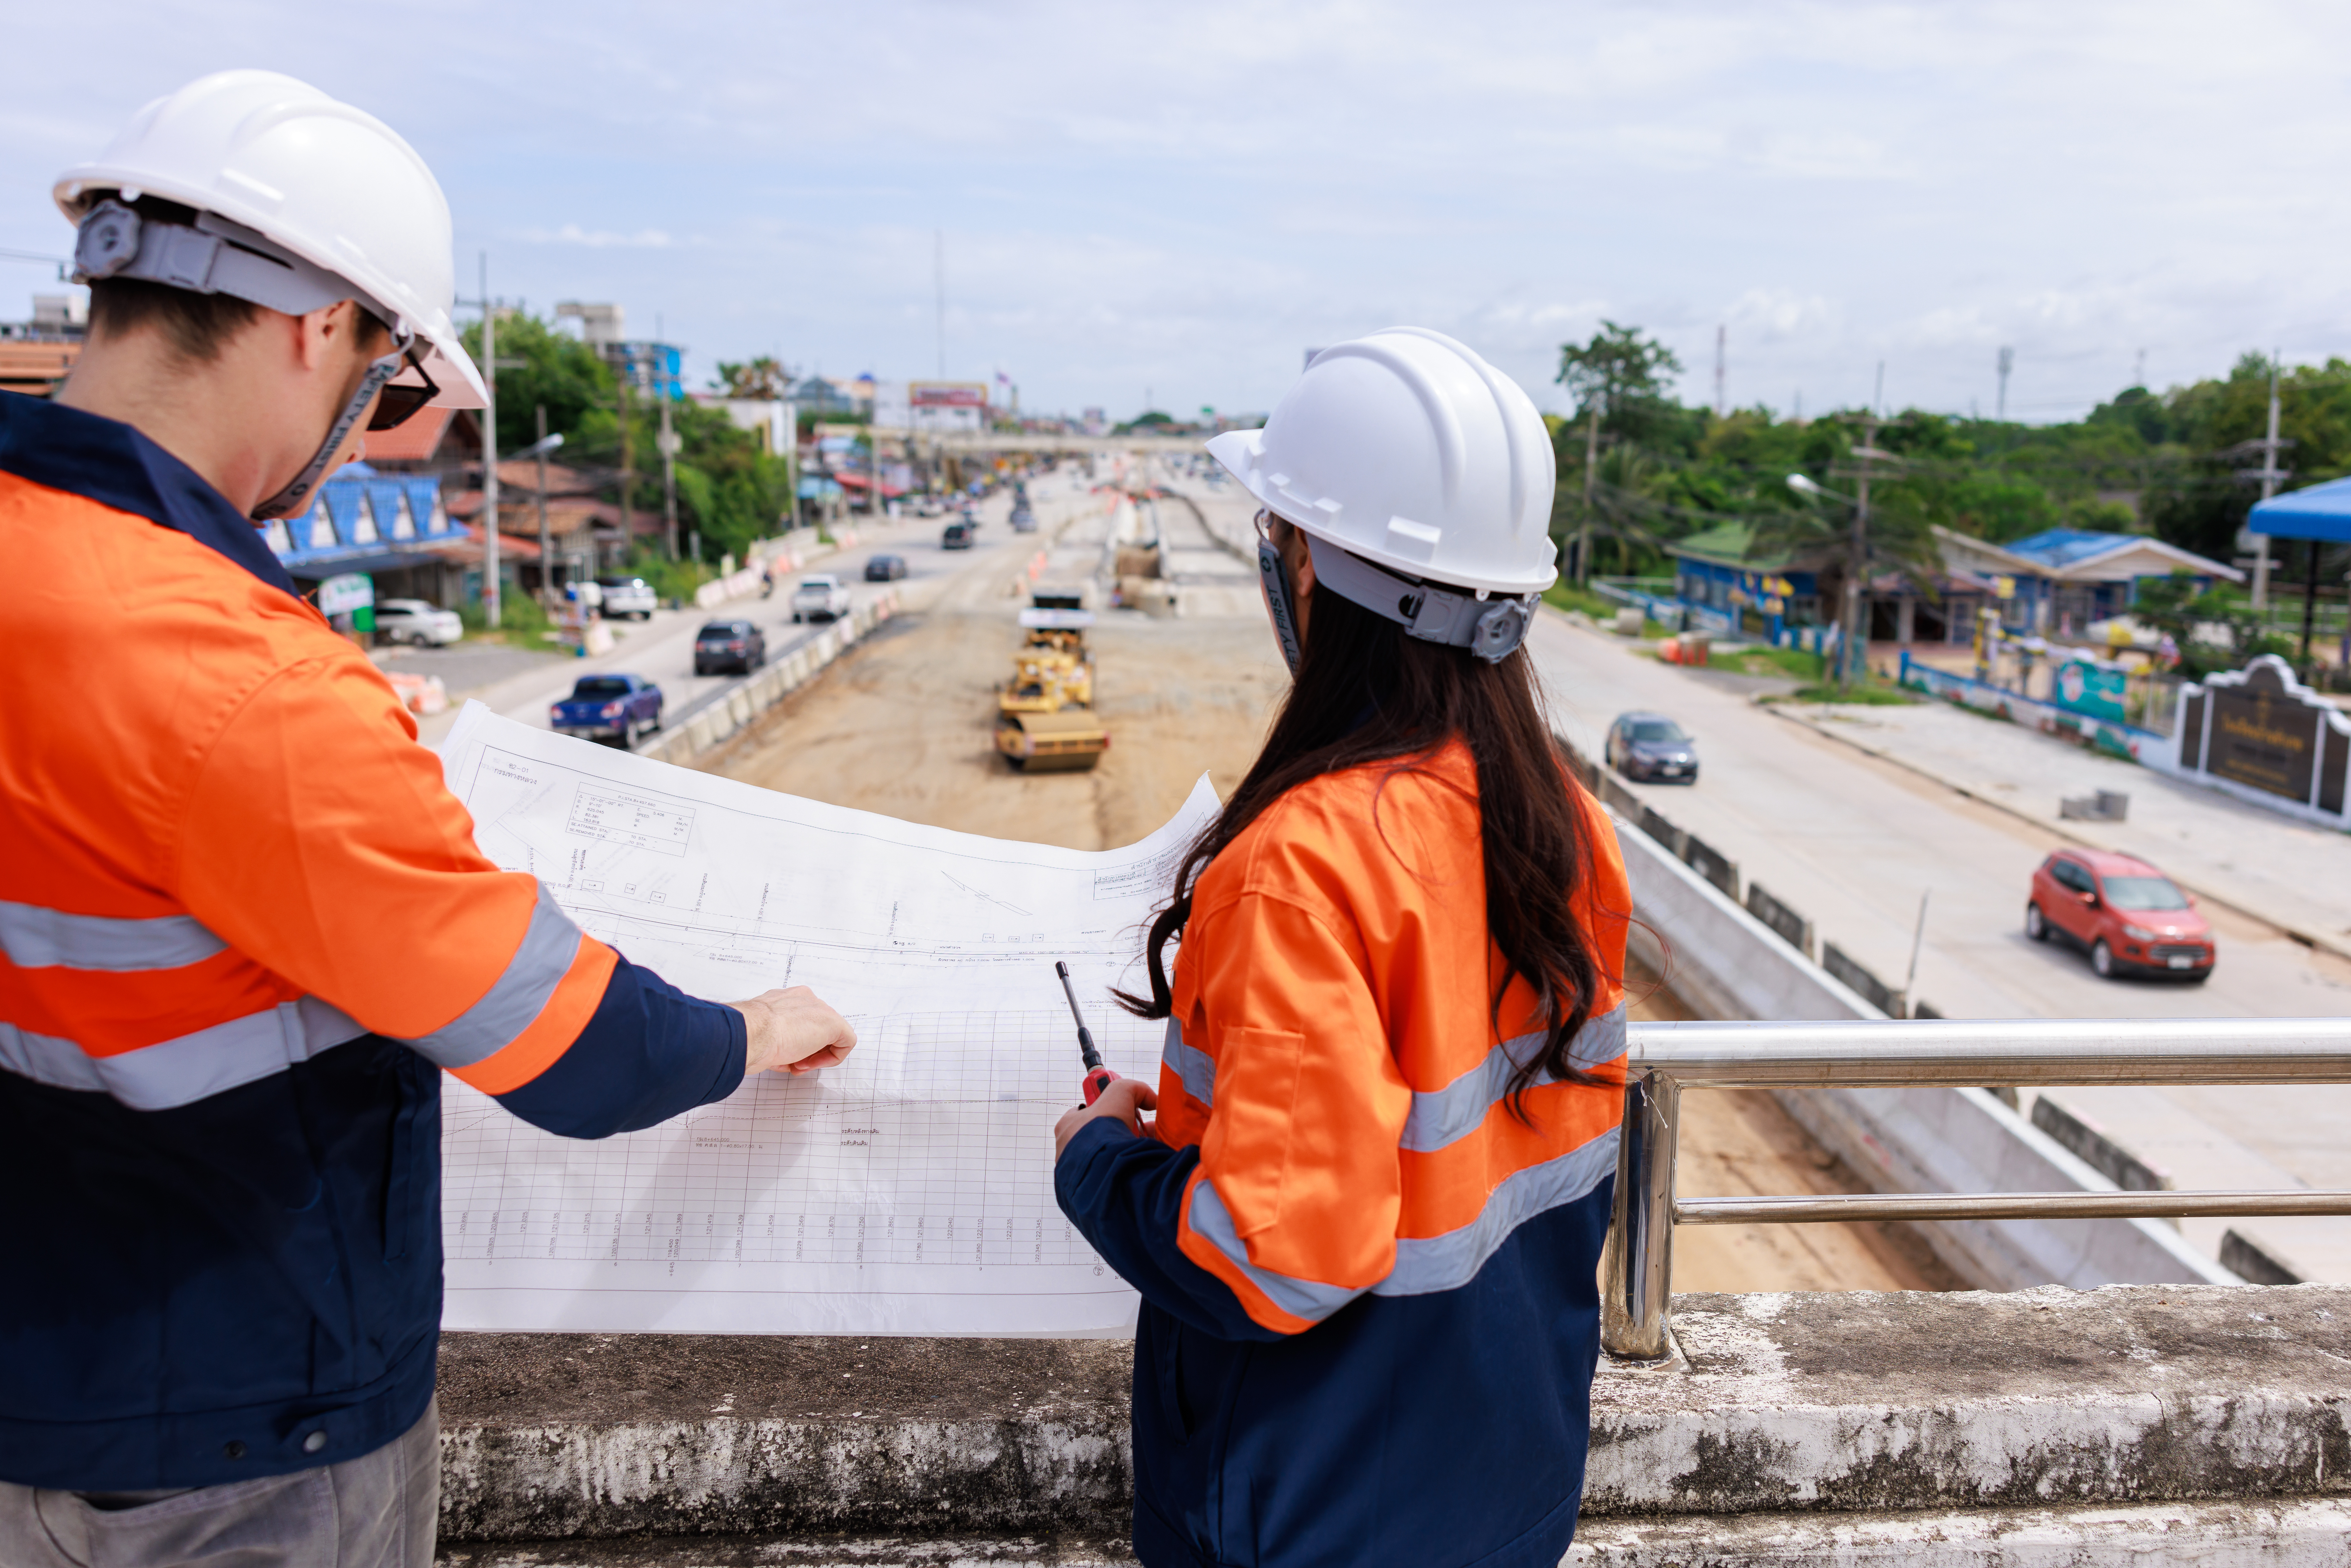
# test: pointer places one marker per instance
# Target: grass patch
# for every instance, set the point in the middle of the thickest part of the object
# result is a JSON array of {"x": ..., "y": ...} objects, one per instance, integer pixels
[
  {"x": 1870, "y": 693},
  {"x": 1565, "y": 595},
  {"x": 522, "y": 622},
  {"x": 1793, "y": 663}
]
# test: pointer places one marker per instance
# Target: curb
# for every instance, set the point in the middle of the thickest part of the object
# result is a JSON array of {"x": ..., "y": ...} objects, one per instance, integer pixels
[{"x": 2307, "y": 938}]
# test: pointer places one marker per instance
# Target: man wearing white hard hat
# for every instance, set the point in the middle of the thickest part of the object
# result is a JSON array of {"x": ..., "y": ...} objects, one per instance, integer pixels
[
  {"x": 1366, "y": 1220},
  {"x": 244, "y": 927}
]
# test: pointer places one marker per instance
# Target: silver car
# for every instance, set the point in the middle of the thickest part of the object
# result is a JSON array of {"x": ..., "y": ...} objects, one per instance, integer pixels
[
  {"x": 821, "y": 596},
  {"x": 417, "y": 622},
  {"x": 628, "y": 596}
]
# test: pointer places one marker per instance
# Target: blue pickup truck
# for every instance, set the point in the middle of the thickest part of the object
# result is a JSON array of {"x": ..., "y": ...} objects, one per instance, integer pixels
[{"x": 609, "y": 708}]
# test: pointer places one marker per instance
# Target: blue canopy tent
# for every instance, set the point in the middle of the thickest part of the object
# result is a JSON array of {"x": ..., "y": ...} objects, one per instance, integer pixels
[{"x": 2319, "y": 513}]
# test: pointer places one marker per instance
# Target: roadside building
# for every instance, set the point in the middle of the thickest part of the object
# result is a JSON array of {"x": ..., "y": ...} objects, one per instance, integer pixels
[
  {"x": 36, "y": 355},
  {"x": 393, "y": 527},
  {"x": 2058, "y": 582}
]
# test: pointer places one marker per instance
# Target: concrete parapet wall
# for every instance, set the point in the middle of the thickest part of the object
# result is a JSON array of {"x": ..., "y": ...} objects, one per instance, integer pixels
[{"x": 2050, "y": 1426}]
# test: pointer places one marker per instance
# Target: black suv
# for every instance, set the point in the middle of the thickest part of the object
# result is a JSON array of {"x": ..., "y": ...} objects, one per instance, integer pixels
[{"x": 734, "y": 645}]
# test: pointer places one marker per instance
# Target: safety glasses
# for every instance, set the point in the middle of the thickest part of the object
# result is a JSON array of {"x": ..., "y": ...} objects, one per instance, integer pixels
[{"x": 399, "y": 400}]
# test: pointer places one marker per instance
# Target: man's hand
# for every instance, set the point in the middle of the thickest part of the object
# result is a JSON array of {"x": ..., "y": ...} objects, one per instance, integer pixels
[
  {"x": 1125, "y": 1098},
  {"x": 792, "y": 1031}
]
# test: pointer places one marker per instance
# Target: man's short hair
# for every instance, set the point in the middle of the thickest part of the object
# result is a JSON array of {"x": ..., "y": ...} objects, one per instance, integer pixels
[{"x": 197, "y": 326}]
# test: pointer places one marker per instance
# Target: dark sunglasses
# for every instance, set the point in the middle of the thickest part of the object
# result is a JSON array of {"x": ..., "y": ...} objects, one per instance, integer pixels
[{"x": 399, "y": 401}]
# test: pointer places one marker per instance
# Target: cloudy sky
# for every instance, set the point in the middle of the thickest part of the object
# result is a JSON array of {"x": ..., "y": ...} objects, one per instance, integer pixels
[{"x": 1174, "y": 200}]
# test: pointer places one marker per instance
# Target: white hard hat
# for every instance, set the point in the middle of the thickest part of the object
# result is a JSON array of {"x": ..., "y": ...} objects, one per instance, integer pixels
[
  {"x": 329, "y": 184},
  {"x": 1408, "y": 450}
]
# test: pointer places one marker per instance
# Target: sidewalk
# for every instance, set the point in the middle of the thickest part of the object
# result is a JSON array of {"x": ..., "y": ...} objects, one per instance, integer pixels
[{"x": 2290, "y": 874}]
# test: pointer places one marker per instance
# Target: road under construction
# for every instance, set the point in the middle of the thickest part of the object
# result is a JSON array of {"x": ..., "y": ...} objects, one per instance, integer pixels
[{"x": 1188, "y": 678}]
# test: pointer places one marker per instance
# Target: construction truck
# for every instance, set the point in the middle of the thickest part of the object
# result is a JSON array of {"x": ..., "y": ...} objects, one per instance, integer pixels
[{"x": 1044, "y": 715}]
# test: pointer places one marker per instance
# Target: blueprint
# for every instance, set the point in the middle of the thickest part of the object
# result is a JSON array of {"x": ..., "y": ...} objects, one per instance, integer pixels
[{"x": 908, "y": 1190}]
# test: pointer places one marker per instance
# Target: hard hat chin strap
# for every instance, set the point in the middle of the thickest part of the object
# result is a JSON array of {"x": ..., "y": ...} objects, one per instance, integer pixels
[{"x": 1490, "y": 628}]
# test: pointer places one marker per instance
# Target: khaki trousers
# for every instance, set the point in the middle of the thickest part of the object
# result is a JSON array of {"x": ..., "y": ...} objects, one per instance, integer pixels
[{"x": 375, "y": 1511}]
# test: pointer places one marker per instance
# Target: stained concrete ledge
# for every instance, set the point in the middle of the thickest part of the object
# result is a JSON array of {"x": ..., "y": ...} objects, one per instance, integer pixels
[{"x": 1844, "y": 1427}]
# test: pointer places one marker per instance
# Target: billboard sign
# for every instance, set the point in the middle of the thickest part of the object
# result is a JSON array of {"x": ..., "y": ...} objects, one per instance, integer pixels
[
  {"x": 2093, "y": 689},
  {"x": 947, "y": 394}
]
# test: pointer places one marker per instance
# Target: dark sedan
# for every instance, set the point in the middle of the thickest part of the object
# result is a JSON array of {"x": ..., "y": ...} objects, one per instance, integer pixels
[
  {"x": 609, "y": 708},
  {"x": 734, "y": 645},
  {"x": 1649, "y": 745},
  {"x": 956, "y": 537},
  {"x": 884, "y": 568}
]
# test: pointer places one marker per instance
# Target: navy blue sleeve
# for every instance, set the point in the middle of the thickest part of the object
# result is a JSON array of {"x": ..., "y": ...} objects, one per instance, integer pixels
[
  {"x": 648, "y": 1052},
  {"x": 1124, "y": 1193}
]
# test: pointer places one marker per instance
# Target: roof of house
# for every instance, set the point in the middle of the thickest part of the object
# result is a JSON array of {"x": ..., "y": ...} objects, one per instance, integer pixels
[
  {"x": 414, "y": 441},
  {"x": 2083, "y": 555}
]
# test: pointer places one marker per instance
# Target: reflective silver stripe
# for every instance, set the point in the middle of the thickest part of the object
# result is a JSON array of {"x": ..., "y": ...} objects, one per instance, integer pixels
[
  {"x": 188, "y": 1069},
  {"x": 1425, "y": 1265},
  {"x": 38, "y": 938},
  {"x": 1442, "y": 1115},
  {"x": 550, "y": 944},
  {"x": 1300, "y": 1297},
  {"x": 1197, "y": 1067}
]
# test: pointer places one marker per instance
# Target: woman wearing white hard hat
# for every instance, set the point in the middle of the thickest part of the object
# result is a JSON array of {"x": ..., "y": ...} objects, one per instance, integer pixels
[
  {"x": 1366, "y": 1220},
  {"x": 245, "y": 926}
]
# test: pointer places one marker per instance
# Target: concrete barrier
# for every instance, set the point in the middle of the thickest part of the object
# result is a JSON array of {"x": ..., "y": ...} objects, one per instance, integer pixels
[
  {"x": 1729, "y": 965},
  {"x": 2046, "y": 1427}
]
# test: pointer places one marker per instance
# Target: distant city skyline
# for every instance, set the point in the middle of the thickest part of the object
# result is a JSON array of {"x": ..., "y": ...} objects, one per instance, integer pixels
[{"x": 1128, "y": 202}]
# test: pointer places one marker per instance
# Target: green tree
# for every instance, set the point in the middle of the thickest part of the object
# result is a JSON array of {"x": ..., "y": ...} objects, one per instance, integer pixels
[
  {"x": 566, "y": 375},
  {"x": 1624, "y": 375},
  {"x": 764, "y": 378}
]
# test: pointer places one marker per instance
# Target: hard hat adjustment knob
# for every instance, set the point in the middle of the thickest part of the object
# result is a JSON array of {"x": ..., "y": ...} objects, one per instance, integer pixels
[{"x": 108, "y": 243}]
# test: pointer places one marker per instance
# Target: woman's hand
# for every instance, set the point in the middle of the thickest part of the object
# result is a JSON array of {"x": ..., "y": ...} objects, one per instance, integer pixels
[
  {"x": 1125, "y": 1100},
  {"x": 793, "y": 1031}
]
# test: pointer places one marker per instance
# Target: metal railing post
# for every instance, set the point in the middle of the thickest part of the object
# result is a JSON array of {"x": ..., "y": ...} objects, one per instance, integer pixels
[{"x": 1636, "y": 1265}]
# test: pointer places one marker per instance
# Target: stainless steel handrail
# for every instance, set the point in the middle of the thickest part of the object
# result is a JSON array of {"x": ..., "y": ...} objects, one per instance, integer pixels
[{"x": 1637, "y": 1266}]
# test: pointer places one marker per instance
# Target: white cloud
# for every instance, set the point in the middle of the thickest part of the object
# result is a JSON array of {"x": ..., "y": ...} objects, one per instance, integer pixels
[{"x": 597, "y": 239}]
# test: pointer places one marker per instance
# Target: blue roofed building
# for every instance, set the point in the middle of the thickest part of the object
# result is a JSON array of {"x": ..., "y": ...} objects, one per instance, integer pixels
[
  {"x": 369, "y": 521},
  {"x": 2058, "y": 582}
]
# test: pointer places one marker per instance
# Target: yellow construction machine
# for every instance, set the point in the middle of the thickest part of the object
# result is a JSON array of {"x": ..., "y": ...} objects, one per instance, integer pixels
[{"x": 1044, "y": 714}]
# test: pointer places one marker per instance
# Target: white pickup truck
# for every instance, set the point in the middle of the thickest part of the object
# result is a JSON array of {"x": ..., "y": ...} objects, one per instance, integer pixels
[{"x": 820, "y": 597}]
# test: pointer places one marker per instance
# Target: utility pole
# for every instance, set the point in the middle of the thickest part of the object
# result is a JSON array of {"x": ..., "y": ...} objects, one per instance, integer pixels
[
  {"x": 2007, "y": 359},
  {"x": 2139, "y": 371},
  {"x": 490, "y": 452},
  {"x": 628, "y": 452},
  {"x": 2269, "y": 475},
  {"x": 546, "y": 546},
  {"x": 1721, "y": 339},
  {"x": 939, "y": 275},
  {"x": 1591, "y": 478},
  {"x": 1853, "y": 663},
  {"x": 667, "y": 443}
]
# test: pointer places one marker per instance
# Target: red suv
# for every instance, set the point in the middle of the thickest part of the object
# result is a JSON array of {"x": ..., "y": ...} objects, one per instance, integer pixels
[{"x": 2133, "y": 919}]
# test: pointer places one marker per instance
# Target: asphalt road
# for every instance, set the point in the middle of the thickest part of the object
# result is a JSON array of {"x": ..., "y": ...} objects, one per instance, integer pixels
[{"x": 661, "y": 649}]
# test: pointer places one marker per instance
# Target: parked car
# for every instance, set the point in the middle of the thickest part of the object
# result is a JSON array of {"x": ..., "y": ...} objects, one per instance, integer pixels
[
  {"x": 2129, "y": 916},
  {"x": 729, "y": 644},
  {"x": 1649, "y": 745},
  {"x": 884, "y": 568},
  {"x": 822, "y": 595},
  {"x": 418, "y": 622},
  {"x": 609, "y": 708},
  {"x": 958, "y": 537},
  {"x": 629, "y": 596},
  {"x": 1024, "y": 521}
]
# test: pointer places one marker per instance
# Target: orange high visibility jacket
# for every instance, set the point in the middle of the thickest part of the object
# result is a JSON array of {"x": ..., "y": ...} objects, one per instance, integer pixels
[
  {"x": 242, "y": 924},
  {"x": 1370, "y": 1316}
]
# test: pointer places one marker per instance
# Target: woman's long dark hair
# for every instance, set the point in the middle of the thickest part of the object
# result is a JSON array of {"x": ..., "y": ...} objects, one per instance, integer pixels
[{"x": 1366, "y": 693}]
